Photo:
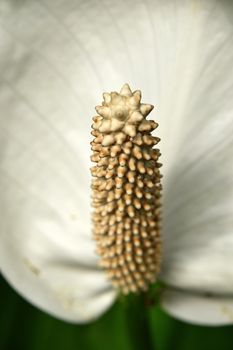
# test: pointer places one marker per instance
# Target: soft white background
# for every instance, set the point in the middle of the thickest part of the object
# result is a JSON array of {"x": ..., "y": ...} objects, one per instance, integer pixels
[{"x": 57, "y": 57}]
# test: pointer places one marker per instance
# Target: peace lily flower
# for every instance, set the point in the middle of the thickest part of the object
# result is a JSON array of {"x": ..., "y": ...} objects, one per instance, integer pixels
[{"x": 56, "y": 59}]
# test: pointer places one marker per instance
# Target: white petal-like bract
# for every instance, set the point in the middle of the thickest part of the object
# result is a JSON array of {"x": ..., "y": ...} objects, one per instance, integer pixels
[
  {"x": 46, "y": 251},
  {"x": 56, "y": 60},
  {"x": 199, "y": 309},
  {"x": 198, "y": 186}
]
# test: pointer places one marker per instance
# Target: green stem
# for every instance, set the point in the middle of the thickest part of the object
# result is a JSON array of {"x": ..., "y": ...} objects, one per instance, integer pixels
[{"x": 138, "y": 323}]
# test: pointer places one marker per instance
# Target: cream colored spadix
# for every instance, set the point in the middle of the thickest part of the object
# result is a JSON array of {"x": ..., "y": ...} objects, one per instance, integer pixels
[{"x": 126, "y": 191}]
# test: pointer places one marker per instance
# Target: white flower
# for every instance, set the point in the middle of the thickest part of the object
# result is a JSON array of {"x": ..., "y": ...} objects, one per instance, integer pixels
[{"x": 56, "y": 59}]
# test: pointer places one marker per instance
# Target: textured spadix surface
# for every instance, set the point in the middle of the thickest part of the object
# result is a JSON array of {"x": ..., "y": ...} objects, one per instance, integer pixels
[
  {"x": 56, "y": 59},
  {"x": 126, "y": 191}
]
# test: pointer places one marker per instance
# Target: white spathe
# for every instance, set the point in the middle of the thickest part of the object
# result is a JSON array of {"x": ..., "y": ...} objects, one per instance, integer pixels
[
  {"x": 199, "y": 308},
  {"x": 56, "y": 60}
]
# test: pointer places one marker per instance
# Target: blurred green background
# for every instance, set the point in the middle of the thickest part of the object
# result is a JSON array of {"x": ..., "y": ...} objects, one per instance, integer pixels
[{"x": 24, "y": 327}]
